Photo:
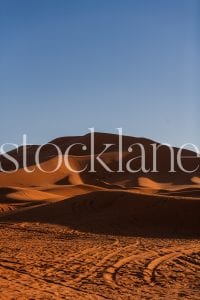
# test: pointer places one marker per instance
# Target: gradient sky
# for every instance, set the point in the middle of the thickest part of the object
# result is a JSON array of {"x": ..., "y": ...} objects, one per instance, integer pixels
[{"x": 66, "y": 65}]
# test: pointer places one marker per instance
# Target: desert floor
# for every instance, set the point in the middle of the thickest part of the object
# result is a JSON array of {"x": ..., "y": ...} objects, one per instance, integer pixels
[
  {"x": 43, "y": 261},
  {"x": 86, "y": 242}
]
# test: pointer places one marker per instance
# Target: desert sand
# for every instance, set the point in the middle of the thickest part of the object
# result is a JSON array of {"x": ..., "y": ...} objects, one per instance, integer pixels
[{"x": 101, "y": 235}]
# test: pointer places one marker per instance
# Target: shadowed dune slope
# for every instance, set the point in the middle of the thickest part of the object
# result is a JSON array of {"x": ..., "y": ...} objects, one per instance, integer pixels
[
  {"x": 19, "y": 199},
  {"x": 120, "y": 213}
]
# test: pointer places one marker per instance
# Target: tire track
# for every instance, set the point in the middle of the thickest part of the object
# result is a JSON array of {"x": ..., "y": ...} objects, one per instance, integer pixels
[
  {"x": 91, "y": 272},
  {"x": 70, "y": 288},
  {"x": 150, "y": 270},
  {"x": 109, "y": 274}
]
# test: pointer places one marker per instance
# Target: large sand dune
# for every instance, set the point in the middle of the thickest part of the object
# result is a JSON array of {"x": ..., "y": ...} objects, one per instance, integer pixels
[
  {"x": 117, "y": 212},
  {"x": 128, "y": 235}
]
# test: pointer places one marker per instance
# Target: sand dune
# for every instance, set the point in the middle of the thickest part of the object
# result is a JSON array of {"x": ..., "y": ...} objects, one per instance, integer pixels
[
  {"x": 101, "y": 185},
  {"x": 38, "y": 177},
  {"x": 102, "y": 235},
  {"x": 80, "y": 158},
  {"x": 117, "y": 212}
]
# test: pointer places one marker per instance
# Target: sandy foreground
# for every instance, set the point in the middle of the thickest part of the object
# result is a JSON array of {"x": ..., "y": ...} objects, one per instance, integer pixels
[
  {"x": 65, "y": 235},
  {"x": 65, "y": 249},
  {"x": 40, "y": 261}
]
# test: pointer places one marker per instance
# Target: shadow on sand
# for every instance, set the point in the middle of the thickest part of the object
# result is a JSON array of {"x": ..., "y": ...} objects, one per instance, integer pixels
[{"x": 119, "y": 213}]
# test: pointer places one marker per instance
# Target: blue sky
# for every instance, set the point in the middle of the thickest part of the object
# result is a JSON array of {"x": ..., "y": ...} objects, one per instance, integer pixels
[{"x": 67, "y": 65}]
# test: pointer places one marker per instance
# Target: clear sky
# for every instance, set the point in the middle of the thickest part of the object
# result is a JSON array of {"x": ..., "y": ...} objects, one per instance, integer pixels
[{"x": 66, "y": 65}]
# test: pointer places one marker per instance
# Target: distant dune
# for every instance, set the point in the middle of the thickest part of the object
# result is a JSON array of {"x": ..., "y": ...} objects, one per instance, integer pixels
[{"x": 79, "y": 158}]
